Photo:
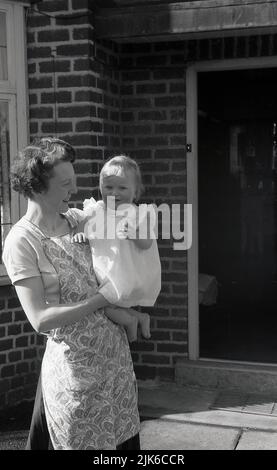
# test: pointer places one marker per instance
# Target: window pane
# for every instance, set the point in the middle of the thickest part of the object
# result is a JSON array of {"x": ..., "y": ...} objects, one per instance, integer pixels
[
  {"x": 5, "y": 194},
  {"x": 3, "y": 48}
]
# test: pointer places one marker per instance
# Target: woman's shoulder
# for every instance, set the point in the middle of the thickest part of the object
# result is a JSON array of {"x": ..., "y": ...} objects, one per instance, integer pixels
[
  {"x": 21, "y": 242},
  {"x": 21, "y": 230}
]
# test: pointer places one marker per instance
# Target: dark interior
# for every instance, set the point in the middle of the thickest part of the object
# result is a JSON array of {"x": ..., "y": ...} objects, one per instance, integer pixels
[{"x": 237, "y": 177}]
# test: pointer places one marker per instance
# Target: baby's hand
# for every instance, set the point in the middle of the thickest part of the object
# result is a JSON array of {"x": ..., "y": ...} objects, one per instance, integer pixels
[
  {"x": 122, "y": 230},
  {"x": 79, "y": 238}
]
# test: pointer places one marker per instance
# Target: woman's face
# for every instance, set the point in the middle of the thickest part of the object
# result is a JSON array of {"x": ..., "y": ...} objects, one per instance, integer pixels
[{"x": 61, "y": 186}]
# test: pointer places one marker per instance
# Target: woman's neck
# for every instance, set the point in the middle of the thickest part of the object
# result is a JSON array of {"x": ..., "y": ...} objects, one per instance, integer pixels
[{"x": 43, "y": 217}]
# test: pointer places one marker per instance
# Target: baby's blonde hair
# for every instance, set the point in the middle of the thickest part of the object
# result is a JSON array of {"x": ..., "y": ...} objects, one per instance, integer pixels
[{"x": 118, "y": 165}]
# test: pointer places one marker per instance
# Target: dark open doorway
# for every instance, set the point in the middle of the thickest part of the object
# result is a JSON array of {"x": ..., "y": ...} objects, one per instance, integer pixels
[{"x": 237, "y": 174}]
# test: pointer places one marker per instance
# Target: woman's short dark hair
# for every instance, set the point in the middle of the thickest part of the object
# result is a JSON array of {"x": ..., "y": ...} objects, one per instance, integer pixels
[{"x": 32, "y": 170}]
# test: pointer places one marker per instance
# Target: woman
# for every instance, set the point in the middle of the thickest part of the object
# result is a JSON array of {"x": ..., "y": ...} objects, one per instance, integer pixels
[{"x": 87, "y": 378}]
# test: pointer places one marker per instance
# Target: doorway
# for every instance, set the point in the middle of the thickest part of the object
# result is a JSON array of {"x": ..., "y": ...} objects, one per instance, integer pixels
[{"x": 237, "y": 214}]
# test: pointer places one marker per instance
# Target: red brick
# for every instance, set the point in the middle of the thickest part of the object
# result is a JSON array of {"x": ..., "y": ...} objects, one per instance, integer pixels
[
  {"x": 14, "y": 356},
  {"x": 82, "y": 140},
  {"x": 6, "y": 344},
  {"x": 170, "y": 101},
  {"x": 55, "y": 5},
  {"x": 142, "y": 346},
  {"x": 38, "y": 52},
  {"x": 32, "y": 69},
  {"x": 155, "y": 359},
  {"x": 83, "y": 33},
  {"x": 3, "y": 359},
  {"x": 171, "y": 347},
  {"x": 152, "y": 88},
  {"x": 72, "y": 81},
  {"x": 137, "y": 129},
  {"x": 179, "y": 336},
  {"x": 58, "y": 66},
  {"x": 75, "y": 50},
  {"x": 136, "y": 103},
  {"x": 22, "y": 367},
  {"x": 30, "y": 353},
  {"x": 170, "y": 153},
  {"x": 22, "y": 341},
  {"x": 53, "y": 35},
  {"x": 144, "y": 372},
  {"x": 17, "y": 382},
  {"x": 54, "y": 127},
  {"x": 14, "y": 329},
  {"x": 13, "y": 303},
  {"x": 27, "y": 328},
  {"x": 8, "y": 371},
  {"x": 40, "y": 339},
  {"x": 59, "y": 97},
  {"x": 42, "y": 82},
  {"x": 33, "y": 126},
  {"x": 41, "y": 113},
  {"x": 158, "y": 335},
  {"x": 35, "y": 21}
]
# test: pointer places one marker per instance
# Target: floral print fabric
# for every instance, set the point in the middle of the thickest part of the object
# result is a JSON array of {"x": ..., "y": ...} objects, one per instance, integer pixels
[{"x": 88, "y": 382}]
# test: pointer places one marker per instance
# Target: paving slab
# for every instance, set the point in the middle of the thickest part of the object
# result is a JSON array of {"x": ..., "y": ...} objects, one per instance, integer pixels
[
  {"x": 258, "y": 440},
  {"x": 165, "y": 435},
  {"x": 199, "y": 406}
]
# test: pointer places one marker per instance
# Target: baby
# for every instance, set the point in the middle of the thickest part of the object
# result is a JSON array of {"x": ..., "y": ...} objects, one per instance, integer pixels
[{"x": 123, "y": 244}]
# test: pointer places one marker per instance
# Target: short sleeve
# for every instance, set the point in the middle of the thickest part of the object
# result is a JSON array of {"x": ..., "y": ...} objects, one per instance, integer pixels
[{"x": 19, "y": 258}]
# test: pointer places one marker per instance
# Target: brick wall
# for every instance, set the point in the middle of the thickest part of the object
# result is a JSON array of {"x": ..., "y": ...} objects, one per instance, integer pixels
[
  {"x": 153, "y": 103},
  {"x": 153, "y": 132},
  {"x": 73, "y": 93},
  {"x": 20, "y": 351},
  {"x": 104, "y": 98}
]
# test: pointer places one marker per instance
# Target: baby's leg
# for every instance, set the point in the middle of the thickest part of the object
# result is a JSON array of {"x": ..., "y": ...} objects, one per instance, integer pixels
[
  {"x": 143, "y": 321},
  {"x": 123, "y": 317}
]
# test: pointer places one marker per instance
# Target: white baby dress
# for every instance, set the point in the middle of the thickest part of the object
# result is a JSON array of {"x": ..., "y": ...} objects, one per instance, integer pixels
[{"x": 128, "y": 275}]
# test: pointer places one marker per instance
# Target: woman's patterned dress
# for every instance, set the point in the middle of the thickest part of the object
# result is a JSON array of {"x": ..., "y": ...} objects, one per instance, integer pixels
[{"x": 88, "y": 382}]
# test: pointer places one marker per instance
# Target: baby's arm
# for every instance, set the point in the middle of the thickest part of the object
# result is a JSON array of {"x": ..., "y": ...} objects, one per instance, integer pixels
[{"x": 134, "y": 235}]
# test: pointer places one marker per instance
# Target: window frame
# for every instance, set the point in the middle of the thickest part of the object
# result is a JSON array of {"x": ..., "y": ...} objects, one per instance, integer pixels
[{"x": 14, "y": 90}]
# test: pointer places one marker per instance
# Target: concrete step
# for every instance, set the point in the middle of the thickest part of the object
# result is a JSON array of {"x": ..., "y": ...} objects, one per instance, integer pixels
[{"x": 249, "y": 378}]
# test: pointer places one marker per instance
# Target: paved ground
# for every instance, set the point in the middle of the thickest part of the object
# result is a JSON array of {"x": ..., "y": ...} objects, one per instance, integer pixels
[{"x": 175, "y": 418}]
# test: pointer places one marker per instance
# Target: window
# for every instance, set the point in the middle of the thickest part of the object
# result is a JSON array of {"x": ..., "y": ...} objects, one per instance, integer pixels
[{"x": 13, "y": 112}]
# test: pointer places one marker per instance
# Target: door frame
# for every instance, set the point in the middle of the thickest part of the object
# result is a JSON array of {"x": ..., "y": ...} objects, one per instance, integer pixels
[{"x": 192, "y": 181}]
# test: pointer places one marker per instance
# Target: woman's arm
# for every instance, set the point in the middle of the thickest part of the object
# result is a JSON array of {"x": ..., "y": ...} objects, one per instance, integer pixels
[{"x": 44, "y": 317}]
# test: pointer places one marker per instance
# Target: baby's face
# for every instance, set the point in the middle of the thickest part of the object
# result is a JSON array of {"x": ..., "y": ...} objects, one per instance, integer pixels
[{"x": 121, "y": 186}]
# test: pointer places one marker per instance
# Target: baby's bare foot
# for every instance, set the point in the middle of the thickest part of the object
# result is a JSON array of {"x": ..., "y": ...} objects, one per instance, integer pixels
[
  {"x": 144, "y": 323},
  {"x": 132, "y": 329}
]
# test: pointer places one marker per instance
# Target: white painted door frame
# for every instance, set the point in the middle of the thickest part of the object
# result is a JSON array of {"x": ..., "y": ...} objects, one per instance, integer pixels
[{"x": 192, "y": 177}]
